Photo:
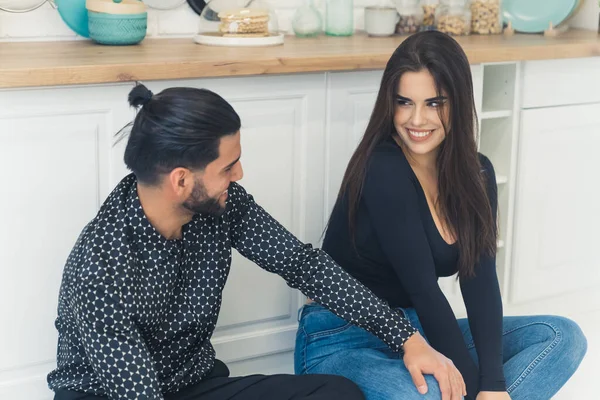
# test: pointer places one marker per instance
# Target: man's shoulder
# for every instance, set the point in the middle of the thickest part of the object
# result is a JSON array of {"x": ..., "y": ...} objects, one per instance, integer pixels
[{"x": 103, "y": 243}]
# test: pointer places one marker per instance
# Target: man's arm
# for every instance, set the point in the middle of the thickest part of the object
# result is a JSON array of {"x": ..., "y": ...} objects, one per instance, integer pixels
[
  {"x": 260, "y": 238},
  {"x": 112, "y": 343}
]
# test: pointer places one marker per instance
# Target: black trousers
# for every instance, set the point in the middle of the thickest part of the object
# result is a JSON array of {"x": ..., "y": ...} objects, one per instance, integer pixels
[{"x": 255, "y": 387}]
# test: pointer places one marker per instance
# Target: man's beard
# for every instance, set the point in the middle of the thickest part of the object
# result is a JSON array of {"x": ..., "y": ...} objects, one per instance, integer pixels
[{"x": 200, "y": 203}]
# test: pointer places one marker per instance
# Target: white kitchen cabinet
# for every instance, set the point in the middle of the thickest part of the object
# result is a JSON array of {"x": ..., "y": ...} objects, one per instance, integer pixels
[
  {"x": 555, "y": 267},
  {"x": 57, "y": 165},
  {"x": 351, "y": 97},
  {"x": 557, "y": 215},
  {"x": 550, "y": 83}
]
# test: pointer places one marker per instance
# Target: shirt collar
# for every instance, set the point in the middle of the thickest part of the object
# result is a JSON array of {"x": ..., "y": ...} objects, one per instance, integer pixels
[{"x": 143, "y": 232}]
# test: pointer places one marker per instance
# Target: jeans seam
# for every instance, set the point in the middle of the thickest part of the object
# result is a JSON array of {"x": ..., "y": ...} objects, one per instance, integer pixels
[
  {"x": 304, "y": 345},
  {"x": 328, "y": 332},
  {"x": 540, "y": 357},
  {"x": 471, "y": 343}
]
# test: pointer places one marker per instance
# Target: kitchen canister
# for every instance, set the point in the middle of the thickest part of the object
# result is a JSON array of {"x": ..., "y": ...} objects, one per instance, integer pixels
[{"x": 117, "y": 22}]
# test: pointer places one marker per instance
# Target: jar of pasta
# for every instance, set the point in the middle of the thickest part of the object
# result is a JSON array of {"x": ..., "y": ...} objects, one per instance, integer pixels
[
  {"x": 429, "y": 7},
  {"x": 486, "y": 16},
  {"x": 410, "y": 16},
  {"x": 453, "y": 17}
]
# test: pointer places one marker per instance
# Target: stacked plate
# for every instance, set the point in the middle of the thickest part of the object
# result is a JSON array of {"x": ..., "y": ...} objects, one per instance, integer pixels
[
  {"x": 20, "y": 5},
  {"x": 534, "y": 16}
]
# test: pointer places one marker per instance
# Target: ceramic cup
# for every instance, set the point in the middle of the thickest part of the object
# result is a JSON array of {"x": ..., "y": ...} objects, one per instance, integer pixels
[{"x": 381, "y": 21}]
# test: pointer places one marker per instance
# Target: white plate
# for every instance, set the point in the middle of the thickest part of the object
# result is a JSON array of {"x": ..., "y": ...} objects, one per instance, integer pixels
[
  {"x": 164, "y": 4},
  {"x": 218, "y": 40},
  {"x": 20, "y": 5}
]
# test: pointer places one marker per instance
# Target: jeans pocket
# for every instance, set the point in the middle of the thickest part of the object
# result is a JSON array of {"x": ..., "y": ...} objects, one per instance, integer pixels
[{"x": 317, "y": 321}]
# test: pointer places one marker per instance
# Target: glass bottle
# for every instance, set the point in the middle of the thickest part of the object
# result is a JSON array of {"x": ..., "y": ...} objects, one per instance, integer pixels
[
  {"x": 307, "y": 20},
  {"x": 339, "y": 17},
  {"x": 486, "y": 16}
]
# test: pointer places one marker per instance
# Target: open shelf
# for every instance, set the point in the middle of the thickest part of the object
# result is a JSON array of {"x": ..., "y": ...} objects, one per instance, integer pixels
[
  {"x": 496, "y": 114},
  {"x": 501, "y": 179},
  {"x": 498, "y": 87},
  {"x": 495, "y": 142}
]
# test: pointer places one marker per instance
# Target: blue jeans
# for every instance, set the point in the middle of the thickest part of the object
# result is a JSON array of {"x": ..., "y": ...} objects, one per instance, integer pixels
[{"x": 540, "y": 355}]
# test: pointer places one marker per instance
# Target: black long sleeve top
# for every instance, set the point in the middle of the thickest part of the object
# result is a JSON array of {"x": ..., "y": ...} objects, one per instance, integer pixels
[{"x": 399, "y": 254}]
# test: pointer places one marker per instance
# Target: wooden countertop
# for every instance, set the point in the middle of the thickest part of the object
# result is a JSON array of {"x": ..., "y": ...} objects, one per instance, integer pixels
[{"x": 82, "y": 62}]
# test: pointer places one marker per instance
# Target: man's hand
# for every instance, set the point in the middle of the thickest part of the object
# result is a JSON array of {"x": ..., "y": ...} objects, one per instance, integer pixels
[
  {"x": 420, "y": 358},
  {"x": 493, "y": 396}
]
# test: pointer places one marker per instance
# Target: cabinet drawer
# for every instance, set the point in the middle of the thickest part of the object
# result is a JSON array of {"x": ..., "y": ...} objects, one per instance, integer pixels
[{"x": 561, "y": 82}]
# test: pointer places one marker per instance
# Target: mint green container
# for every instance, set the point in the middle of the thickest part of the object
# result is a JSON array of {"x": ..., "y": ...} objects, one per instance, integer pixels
[
  {"x": 339, "y": 17},
  {"x": 117, "y": 29}
]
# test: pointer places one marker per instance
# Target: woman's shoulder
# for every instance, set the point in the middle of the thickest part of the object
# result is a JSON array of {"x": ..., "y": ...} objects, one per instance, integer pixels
[
  {"x": 388, "y": 158},
  {"x": 487, "y": 168},
  {"x": 387, "y": 171},
  {"x": 485, "y": 162}
]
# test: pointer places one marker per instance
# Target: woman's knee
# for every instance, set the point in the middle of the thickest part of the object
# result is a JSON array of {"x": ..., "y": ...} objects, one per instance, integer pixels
[
  {"x": 433, "y": 389},
  {"x": 408, "y": 391},
  {"x": 572, "y": 338}
]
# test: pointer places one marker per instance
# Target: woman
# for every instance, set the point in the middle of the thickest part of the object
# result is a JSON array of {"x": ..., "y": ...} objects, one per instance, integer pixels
[{"x": 418, "y": 202}]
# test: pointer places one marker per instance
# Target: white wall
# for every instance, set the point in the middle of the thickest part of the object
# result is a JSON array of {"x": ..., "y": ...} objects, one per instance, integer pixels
[
  {"x": 587, "y": 16},
  {"x": 45, "y": 23}
]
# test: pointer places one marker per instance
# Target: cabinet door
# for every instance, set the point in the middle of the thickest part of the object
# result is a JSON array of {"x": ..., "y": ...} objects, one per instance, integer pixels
[
  {"x": 350, "y": 104},
  {"x": 58, "y": 164},
  {"x": 557, "y": 220},
  {"x": 283, "y": 139}
]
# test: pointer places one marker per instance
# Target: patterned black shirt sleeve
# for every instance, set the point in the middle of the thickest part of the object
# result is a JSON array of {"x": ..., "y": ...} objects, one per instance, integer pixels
[
  {"x": 112, "y": 343},
  {"x": 260, "y": 238}
]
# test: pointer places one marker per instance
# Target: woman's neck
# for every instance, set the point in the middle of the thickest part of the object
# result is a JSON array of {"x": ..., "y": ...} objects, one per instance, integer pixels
[{"x": 424, "y": 163}]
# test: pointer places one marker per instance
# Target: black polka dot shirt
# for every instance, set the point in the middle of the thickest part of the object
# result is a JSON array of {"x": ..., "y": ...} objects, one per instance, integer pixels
[{"x": 136, "y": 311}]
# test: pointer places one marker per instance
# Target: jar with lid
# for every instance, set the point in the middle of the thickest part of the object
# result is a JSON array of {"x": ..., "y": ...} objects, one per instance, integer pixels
[
  {"x": 410, "y": 16},
  {"x": 453, "y": 17},
  {"x": 486, "y": 16},
  {"x": 429, "y": 8}
]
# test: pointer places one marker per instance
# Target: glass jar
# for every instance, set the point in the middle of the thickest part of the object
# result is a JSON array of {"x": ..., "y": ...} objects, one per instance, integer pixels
[
  {"x": 486, "y": 16},
  {"x": 453, "y": 17},
  {"x": 429, "y": 8},
  {"x": 307, "y": 20},
  {"x": 410, "y": 16},
  {"x": 339, "y": 17}
]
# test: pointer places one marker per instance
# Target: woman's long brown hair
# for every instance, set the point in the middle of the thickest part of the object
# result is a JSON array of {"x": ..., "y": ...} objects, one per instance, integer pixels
[{"x": 463, "y": 203}]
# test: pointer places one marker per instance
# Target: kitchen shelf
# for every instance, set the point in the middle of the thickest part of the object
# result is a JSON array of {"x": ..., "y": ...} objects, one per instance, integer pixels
[
  {"x": 496, "y": 114},
  {"x": 501, "y": 179},
  {"x": 498, "y": 87}
]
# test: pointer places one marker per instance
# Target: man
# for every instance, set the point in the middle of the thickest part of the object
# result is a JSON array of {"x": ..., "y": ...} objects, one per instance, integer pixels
[{"x": 141, "y": 290}]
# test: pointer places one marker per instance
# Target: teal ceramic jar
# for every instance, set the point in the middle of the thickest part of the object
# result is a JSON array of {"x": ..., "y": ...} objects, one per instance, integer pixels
[{"x": 118, "y": 22}]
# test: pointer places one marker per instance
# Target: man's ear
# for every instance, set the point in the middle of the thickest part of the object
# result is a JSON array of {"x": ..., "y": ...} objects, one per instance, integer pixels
[{"x": 181, "y": 181}]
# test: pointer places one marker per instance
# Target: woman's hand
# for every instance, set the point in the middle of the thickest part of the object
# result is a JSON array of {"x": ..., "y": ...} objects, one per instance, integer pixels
[
  {"x": 493, "y": 396},
  {"x": 420, "y": 358}
]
